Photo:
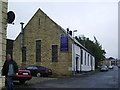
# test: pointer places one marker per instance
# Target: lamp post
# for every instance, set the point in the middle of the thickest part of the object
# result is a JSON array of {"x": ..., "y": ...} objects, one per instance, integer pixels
[{"x": 74, "y": 52}]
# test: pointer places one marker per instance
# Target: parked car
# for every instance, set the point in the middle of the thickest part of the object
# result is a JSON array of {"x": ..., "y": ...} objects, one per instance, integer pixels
[
  {"x": 39, "y": 71},
  {"x": 22, "y": 76},
  {"x": 103, "y": 68},
  {"x": 98, "y": 66},
  {"x": 110, "y": 67}
]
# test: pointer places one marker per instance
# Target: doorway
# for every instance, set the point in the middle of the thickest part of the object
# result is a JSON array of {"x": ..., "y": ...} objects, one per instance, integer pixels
[{"x": 77, "y": 64}]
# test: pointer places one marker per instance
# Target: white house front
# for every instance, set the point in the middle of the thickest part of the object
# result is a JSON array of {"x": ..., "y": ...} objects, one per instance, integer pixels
[{"x": 82, "y": 60}]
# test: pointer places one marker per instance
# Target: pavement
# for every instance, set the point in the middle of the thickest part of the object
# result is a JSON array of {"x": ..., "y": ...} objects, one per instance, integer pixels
[
  {"x": 36, "y": 80},
  {"x": 85, "y": 73}
]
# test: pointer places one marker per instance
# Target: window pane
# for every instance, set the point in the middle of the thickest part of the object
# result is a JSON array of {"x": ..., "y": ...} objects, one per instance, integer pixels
[
  {"x": 88, "y": 59},
  {"x": 23, "y": 54},
  {"x": 38, "y": 50},
  {"x": 35, "y": 68},
  {"x": 81, "y": 56},
  {"x": 54, "y": 53},
  {"x": 30, "y": 67},
  {"x": 85, "y": 58}
]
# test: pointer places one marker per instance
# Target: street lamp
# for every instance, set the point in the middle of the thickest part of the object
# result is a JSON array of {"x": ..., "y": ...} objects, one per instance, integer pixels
[
  {"x": 75, "y": 31},
  {"x": 74, "y": 52}
]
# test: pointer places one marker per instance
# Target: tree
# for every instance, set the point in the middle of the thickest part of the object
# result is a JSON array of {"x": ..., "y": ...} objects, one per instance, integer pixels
[{"x": 94, "y": 47}]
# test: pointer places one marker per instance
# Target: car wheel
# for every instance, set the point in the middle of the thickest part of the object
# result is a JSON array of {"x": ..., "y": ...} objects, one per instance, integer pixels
[
  {"x": 38, "y": 75},
  {"x": 22, "y": 82}
]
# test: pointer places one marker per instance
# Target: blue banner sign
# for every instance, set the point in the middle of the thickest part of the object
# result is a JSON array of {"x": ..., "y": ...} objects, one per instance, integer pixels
[{"x": 64, "y": 42}]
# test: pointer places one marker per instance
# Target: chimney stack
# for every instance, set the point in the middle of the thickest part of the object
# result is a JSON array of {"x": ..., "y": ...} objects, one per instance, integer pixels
[
  {"x": 67, "y": 30},
  {"x": 70, "y": 32}
]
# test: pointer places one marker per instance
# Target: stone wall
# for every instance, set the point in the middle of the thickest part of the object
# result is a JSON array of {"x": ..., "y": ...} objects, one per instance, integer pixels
[{"x": 3, "y": 28}]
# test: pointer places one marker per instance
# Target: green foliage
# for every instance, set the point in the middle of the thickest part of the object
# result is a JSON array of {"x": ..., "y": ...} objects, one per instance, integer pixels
[{"x": 94, "y": 47}]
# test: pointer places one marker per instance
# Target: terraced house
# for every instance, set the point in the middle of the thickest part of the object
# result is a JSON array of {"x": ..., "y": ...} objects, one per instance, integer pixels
[{"x": 43, "y": 42}]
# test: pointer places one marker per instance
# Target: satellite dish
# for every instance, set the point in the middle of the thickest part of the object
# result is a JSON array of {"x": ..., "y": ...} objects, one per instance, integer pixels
[{"x": 10, "y": 17}]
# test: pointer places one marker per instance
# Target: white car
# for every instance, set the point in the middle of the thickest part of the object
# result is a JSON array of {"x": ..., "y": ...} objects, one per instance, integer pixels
[
  {"x": 103, "y": 68},
  {"x": 110, "y": 67}
]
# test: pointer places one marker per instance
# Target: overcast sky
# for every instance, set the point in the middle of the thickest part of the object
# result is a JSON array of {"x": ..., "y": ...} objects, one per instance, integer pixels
[{"x": 89, "y": 17}]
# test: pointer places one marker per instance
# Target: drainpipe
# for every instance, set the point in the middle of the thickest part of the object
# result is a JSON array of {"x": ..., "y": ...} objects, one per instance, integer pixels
[
  {"x": 22, "y": 35},
  {"x": 74, "y": 58}
]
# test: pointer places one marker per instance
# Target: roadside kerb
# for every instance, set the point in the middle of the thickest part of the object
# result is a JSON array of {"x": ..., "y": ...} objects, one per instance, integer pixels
[{"x": 35, "y": 80}]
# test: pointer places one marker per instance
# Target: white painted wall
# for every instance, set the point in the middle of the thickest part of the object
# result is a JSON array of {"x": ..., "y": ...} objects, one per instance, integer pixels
[
  {"x": 76, "y": 52},
  {"x": 72, "y": 58}
]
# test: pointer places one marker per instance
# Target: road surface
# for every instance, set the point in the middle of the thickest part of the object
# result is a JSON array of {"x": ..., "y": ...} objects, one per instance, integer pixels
[{"x": 107, "y": 79}]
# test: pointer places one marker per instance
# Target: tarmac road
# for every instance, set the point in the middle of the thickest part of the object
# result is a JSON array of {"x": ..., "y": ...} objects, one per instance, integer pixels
[{"x": 107, "y": 79}]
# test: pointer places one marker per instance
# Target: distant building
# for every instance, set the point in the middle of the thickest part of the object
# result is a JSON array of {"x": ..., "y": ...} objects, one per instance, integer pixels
[
  {"x": 109, "y": 61},
  {"x": 118, "y": 62},
  {"x": 43, "y": 42}
]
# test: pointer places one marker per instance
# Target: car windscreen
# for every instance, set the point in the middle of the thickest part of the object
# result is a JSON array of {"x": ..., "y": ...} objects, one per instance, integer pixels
[{"x": 30, "y": 67}]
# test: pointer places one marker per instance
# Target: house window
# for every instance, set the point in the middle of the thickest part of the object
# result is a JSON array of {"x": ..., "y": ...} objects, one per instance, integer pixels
[
  {"x": 81, "y": 56},
  {"x": 39, "y": 21},
  {"x": 91, "y": 60},
  {"x": 88, "y": 59},
  {"x": 23, "y": 54},
  {"x": 38, "y": 50},
  {"x": 85, "y": 58},
  {"x": 54, "y": 53}
]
